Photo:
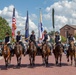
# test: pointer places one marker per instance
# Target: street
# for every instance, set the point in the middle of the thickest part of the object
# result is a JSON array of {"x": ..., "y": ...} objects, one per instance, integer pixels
[{"x": 38, "y": 69}]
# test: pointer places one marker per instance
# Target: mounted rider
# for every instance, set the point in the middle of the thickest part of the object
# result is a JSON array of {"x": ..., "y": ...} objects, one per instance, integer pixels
[
  {"x": 7, "y": 40},
  {"x": 70, "y": 38},
  {"x": 33, "y": 38},
  {"x": 19, "y": 40},
  {"x": 45, "y": 37},
  {"x": 57, "y": 38}
]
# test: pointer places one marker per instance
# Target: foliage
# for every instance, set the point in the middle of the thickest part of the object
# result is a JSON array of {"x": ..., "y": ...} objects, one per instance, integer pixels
[
  {"x": 51, "y": 33},
  {"x": 75, "y": 36},
  {"x": 4, "y": 27},
  {"x": 63, "y": 39}
]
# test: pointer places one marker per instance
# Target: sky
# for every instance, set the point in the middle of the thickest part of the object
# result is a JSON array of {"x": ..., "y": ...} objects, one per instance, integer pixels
[{"x": 65, "y": 13}]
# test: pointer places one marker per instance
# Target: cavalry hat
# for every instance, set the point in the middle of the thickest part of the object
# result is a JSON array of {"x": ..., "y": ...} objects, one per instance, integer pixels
[
  {"x": 45, "y": 31},
  {"x": 32, "y": 31},
  {"x": 18, "y": 32},
  {"x": 57, "y": 32},
  {"x": 7, "y": 33}
]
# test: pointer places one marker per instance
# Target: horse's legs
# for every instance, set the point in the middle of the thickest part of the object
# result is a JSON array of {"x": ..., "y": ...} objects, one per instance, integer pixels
[
  {"x": 47, "y": 59},
  {"x": 56, "y": 60},
  {"x": 68, "y": 56},
  {"x": 30, "y": 59},
  {"x": 18, "y": 64},
  {"x": 34, "y": 59},
  {"x": 6, "y": 62},
  {"x": 75, "y": 59},
  {"x": 60, "y": 59},
  {"x": 71, "y": 60},
  {"x": 43, "y": 59}
]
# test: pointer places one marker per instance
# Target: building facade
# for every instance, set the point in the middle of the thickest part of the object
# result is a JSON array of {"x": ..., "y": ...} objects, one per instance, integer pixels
[{"x": 65, "y": 30}]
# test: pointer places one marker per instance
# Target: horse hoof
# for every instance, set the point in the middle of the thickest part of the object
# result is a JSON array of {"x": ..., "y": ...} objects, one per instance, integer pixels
[
  {"x": 68, "y": 60},
  {"x": 18, "y": 64},
  {"x": 56, "y": 62}
]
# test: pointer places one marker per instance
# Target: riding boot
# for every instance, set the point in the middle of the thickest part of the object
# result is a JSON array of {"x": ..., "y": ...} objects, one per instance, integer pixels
[{"x": 24, "y": 52}]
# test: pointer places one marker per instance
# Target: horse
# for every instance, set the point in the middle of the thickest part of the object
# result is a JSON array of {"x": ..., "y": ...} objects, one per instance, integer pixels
[
  {"x": 18, "y": 52},
  {"x": 32, "y": 53},
  {"x": 71, "y": 52},
  {"x": 45, "y": 53},
  {"x": 6, "y": 54},
  {"x": 58, "y": 50}
]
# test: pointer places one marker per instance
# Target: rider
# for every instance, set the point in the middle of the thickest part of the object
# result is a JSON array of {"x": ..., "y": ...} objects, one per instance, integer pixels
[
  {"x": 7, "y": 40},
  {"x": 57, "y": 38},
  {"x": 45, "y": 36},
  {"x": 33, "y": 38},
  {"x": 19, "y": 40},
  {"x": 70, "y": 38}
]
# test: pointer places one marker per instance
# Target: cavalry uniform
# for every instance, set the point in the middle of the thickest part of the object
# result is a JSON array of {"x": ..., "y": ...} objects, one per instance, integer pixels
[
  {"x": 19, "y": 40},
  {"x": 32, "y": 38},
  {"x": 57, "y": 39},
  {"x": 45, "y": 38},
  {"x": 70, "y": 38},
  {"x": 7, "y": 41}
]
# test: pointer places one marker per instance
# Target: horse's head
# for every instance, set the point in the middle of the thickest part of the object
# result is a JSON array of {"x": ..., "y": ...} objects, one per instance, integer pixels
[
  {"x": 44, "y": 47},
  {"x": 72, "y": 45},
  {"x": 5, "y": 49},
  {"x": 32, "y": 46},
  {"x": 59, "y": 48},
  {"x": 18, "y": 49}
]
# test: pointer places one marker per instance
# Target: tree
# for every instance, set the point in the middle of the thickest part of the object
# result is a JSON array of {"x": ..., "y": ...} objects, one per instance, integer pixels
[
  {"x": 4, "y": 27},
  {"x": 51, "y": 33},
  {"x": 63, "y": 39}
]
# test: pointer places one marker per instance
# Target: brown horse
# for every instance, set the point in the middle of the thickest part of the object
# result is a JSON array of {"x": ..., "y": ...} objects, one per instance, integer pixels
[
  {"x": 6, "y": 54},
  {"x": 58, "y": 53},
  {"x": 32, "y": 53},
  {"x": 71, "y": 52},
  {"x": 45, "y": 53},
  {"x": 18, "y": 52}
]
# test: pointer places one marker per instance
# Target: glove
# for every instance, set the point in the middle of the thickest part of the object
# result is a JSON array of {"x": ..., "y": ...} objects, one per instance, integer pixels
[
  {"x": 8, "y": 42},
  {"x": 20, "y": 40}
]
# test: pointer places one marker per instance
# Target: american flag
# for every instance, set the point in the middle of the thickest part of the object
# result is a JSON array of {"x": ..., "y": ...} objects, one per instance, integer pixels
[{"x": 13, "y": 23}]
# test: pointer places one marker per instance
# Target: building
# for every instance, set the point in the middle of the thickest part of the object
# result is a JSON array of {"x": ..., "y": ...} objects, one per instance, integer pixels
[{"x": 65, "y": 30}]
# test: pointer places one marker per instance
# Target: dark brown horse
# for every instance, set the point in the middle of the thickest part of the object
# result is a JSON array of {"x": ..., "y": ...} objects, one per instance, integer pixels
[
  {"x": 18, "y": 52},
  {"x": 6, "y": 54},
  {"x": 71, "y": 52},
  {"x": 45, "y": 53},
  {"x": 32, "y": 53},
  {"x": 58, "y": 50}
]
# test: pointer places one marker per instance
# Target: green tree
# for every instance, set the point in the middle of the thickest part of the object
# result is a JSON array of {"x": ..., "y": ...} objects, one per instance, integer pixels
[
  {"x": 51, "y": 33},
  {"x": 4, "y": 27},
  {"x": 63, "y": 39}
]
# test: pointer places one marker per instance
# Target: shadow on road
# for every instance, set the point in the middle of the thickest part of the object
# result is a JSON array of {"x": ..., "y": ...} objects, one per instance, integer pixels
[
  {"x": 50, "y": 65},
  {"x": 3, "y": 67}
]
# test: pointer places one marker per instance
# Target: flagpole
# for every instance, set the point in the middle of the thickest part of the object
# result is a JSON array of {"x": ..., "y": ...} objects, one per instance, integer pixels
[
  {"x": 39, "y": 25},
  {"x": 53, "y": 23},
  {"x": 27, "y": 28},
  {"x": 13, "y": 25}
]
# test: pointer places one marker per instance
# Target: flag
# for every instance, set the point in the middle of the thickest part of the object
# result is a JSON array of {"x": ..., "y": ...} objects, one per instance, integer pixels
[
  {"x": 27, "y": 28},
  {"x": 40, "y": 28},
  {"x": 53, "y": 18},
  {"x": 13, "y": 23}
]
